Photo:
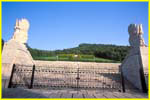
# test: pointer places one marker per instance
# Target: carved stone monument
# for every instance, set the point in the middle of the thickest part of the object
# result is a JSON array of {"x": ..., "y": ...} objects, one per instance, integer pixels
[
  {"x": 135, "y": 65},
  {"x": 135, "y": 32},
  {"x": 15, "y": 51}
]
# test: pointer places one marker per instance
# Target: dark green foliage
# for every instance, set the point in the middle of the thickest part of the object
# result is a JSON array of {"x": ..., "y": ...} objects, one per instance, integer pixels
[{"x": 88, "y": 51}]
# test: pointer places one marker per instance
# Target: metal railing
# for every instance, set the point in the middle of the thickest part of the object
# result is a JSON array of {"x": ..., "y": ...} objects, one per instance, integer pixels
[{"x": 66, "y": 77}]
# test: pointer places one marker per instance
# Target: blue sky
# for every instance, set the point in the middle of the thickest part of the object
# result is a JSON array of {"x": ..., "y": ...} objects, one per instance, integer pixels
[{"x": 59, "y": 25}]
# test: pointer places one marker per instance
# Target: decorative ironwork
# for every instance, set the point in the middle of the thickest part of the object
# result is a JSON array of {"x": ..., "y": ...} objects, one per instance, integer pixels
[
  {"x": 67, "y": 77},
  {"x": 21, "y": 76}
]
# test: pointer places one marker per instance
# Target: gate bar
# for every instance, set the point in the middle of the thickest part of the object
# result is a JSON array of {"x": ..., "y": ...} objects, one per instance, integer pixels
[
  {"x": 77, "y": 78},
  {"x": 32, "y": 77},
  {"x": 122, "y": 79},
  {"x": 11, "y": 77}
]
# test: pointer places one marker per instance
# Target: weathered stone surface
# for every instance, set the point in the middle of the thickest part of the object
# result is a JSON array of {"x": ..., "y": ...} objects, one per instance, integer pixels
[
  {"x": 15, "y": 51},
  {"x": 136, "y": 39},
  {"x": 144, "y": 56},
  {"x": 144, "y": 61},
  {"x": 137, "y": 57},
  {"x": 21, "y": 31},
  {"x": 75, "y": 64},
  {"x": 131, "y": 67},
  {"x": 71, "y": 93}
]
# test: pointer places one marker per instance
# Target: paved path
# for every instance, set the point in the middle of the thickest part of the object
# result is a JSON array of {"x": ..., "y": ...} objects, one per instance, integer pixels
[{"x": 67, "y": 93}]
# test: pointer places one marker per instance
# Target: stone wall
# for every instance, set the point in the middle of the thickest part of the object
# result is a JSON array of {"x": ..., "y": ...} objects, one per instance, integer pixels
[{"x": 75, "y": 64}]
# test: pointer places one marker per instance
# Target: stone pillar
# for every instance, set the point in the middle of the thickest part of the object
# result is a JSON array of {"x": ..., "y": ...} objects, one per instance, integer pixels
[
  {"x": 15, "y": 51},
  {"x": 137, "y": 58}
]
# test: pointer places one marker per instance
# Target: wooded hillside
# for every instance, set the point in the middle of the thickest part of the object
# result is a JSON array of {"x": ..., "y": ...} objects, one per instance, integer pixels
[{"x": 112, "y": 52}]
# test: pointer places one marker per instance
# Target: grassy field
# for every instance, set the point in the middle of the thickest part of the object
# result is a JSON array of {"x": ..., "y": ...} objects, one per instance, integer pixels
[{"x": 55, "y": 58}]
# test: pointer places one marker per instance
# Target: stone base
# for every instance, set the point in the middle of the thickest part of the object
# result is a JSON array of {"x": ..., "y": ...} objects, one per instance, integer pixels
[
  {"x": 14, "y": 53},
  {"x": 136, "y": 60}
]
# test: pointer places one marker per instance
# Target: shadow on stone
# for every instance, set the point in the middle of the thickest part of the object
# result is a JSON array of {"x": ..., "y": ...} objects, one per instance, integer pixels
[{"x": 20, "y": 93}]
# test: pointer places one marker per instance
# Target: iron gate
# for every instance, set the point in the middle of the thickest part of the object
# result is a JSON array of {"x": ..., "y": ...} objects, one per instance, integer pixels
[{"x": 65, "y": 77}]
